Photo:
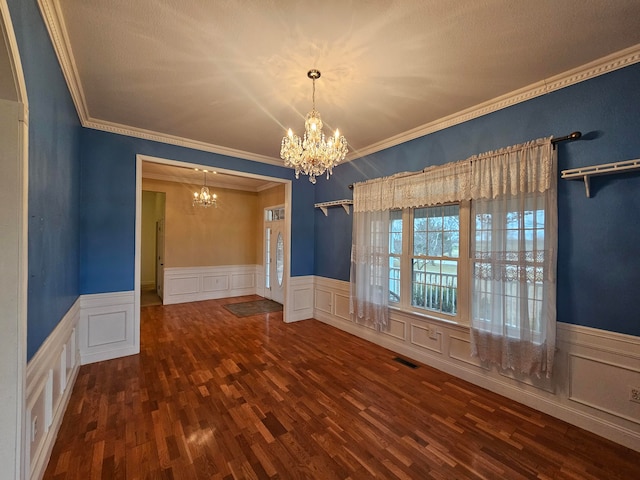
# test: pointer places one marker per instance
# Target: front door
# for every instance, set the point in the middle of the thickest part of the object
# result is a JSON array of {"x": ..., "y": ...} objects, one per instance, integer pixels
[
  {"x": 276, "y": 263},
  {"x": 274, "y": 258}
]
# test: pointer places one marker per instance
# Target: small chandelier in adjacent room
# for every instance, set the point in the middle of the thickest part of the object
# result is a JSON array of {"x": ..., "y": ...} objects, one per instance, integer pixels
[
  {"x": 313, "y": 155},
  {"x": 203, "y": 198}
]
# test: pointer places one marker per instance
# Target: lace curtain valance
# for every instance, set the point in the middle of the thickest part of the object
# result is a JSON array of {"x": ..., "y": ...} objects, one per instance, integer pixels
[{"x": 480, "y": 176}]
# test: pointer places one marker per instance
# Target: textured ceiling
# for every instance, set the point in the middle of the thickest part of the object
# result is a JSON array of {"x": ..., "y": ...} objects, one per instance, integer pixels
[{"x": 232, "y": 74}]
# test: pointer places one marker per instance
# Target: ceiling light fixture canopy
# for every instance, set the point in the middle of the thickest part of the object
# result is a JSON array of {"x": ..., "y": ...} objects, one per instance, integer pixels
[
  {"x": 203, "y": 198},
  {"x": 313, "y": 155}
]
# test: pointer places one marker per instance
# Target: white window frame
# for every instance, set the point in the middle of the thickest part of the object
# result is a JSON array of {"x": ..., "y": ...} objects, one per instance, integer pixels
[{"x": 464, "y": 273}]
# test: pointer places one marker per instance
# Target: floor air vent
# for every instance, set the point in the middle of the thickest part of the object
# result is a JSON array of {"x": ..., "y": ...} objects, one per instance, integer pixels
[{"x": 406, "y": 363}]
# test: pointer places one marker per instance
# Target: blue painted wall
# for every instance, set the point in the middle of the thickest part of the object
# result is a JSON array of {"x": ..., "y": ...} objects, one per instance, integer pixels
[
  {"x": 599, "y": 237},
  {"x": 54, "y": 178},
  {"x": 82, "y": 192},
  {"x": 108, "y": 206}
]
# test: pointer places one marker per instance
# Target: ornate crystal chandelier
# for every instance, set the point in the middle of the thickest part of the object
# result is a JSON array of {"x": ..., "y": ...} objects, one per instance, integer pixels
[
  {"x": 203, "y": 198},
  {"x": 313, "y": 155}
]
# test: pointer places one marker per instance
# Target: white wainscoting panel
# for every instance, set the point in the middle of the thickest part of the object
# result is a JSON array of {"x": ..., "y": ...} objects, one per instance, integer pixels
[
  {"x": 260, "y": 280},
  {"x": 244, "y": 280},
  {"x": 193, "y": 284},
  {"x": 342, "y": 305},
  {"x": 420, "y": 337},
  {"x": 460, "y": 349},
  {"x": 323, "y": 300},
  {"x": 108, "y": 326},
  {"x": 332, "y": 298},
  {"x": 594, "y": 371},
  {"x": 51, "y": 374},
  {"x": 397, "y": 328},
  {"x": 299, "y": 305},
  {"x": 215, "y": 283},
  {"x": 613, "y": 382}
]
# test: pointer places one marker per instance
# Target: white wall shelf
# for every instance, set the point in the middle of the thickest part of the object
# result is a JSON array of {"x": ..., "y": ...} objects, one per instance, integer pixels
[
  {"x": 336, "y": 203},
  {"x": 585, "y": 173}
]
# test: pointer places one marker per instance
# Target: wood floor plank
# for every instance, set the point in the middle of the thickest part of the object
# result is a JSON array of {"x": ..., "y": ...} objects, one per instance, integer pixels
[{"x": 213, "y": 396}]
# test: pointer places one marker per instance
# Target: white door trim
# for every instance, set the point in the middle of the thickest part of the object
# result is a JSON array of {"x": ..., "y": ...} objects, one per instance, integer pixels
[{"x": 13, "y": 356}]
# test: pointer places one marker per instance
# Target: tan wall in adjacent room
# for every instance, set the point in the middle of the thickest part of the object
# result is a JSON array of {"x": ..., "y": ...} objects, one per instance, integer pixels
[
  {"x": 267, "y": 198},
  {"x": 152, "y": 211},
  {"x": 196, "y": 236}
]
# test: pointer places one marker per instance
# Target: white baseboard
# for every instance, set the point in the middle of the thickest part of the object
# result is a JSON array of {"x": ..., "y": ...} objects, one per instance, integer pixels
[
  {"x": 109, "y": 326},
  {"x": 193, "y": 284},
  {"x": 51, "y": 374},
  {"x": 593, "y": 373}
]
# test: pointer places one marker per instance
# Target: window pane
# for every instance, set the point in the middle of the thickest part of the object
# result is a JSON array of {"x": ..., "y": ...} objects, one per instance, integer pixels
[
  {"x": 420, "y": 243},
  {"x": 395, "y": 232},
  {"x": 434, "y": 243},
  {"x": 420, "y": 231},
  {"x": 280, "y": 258},
  {"x": 394, "y": 279},
  {"x": 449, "y": 284},
  {"x": 434, "y": 280}
]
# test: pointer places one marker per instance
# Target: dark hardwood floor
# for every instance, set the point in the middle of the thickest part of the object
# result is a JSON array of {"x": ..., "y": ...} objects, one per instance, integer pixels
[{"x": 212, "y": 396}]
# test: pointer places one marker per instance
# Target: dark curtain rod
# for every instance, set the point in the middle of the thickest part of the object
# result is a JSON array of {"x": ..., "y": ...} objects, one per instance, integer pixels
[{"x": 566, "y": 138}]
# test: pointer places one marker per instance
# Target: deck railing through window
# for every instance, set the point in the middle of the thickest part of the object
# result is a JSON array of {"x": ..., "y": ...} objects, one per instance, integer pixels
[{"x": 430, "y": 290}]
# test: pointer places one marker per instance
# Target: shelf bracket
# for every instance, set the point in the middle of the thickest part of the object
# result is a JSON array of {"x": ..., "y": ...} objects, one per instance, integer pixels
[
  {"x": 585, "y": 173},
  {"x": 324, "y": 206},
  {"x": 587, "y": 185}
]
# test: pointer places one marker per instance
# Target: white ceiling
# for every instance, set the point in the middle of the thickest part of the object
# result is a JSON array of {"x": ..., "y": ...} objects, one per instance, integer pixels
[{"x": 230, "y": 76}]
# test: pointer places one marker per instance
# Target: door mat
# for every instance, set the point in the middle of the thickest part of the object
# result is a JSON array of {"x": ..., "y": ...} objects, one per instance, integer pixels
[{"x": 255, "y": 307}]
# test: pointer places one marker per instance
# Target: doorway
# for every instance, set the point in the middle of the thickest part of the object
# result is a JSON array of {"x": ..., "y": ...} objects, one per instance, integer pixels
[
  {"x": 152, "y": 248},
  {"x": 286, "y": 225},
  {"x": 274, "y": 253}
]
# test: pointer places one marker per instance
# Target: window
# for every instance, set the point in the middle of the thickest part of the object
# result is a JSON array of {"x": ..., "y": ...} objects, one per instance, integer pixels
[
  {"x": 508, "y": 266},
  {"x": 427, "y": 259},
  {"x": 434, "y": 264},
  {"x": 274, "y": 214},
  {"x": 267, "y": 258},
  {"x": 425, "y": 271},
  {"x": 395, "y": 254}
]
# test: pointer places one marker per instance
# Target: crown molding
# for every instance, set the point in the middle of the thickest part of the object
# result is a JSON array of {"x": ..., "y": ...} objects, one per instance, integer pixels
[
  {"x": 267, "y": 186},
  {"x": 593, "y": 69},
  {"x": 57, "y": 31},
  {"x": 179, "y": 141},
  {"x": 54, "y": 22}
]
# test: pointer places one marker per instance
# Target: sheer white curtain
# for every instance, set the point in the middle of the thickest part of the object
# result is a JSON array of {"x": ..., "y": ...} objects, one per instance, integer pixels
[
  {"x": 514, "y": 252},
  {"x": 369, "y": 299}
]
